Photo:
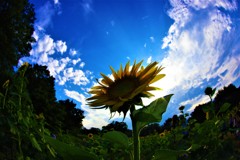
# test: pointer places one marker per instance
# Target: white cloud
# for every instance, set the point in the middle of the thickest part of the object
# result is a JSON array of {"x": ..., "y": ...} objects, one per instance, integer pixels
[
  {"x": 75, "y": 61},
  {"x": 60, "y": 46},
  {"x": 76, "y": 96},
  {"x": 99, "y": 117},
  {"x": 82, "y": 64},
  {"x": 72, "y": 52},
  {"x": 149, "y": 60},
  {"x": 93, "y": 118},
  {"x": 74, "y": 76},
  {"x": 45, "y": 44},
  {"x": 194, "y": 102},
  {"x": 43, "y": 58},
  {"x": 197, "y": 51},
  {"x": 202, "y": 4},
  {"x": 145, "y": 45},
  {"x": 56, "y": 1},
  {"x": 62, "y": 67},
  {"x": 152, "y": 39}
]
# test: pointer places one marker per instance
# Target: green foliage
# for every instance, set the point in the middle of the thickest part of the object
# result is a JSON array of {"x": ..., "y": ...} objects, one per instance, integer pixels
[
  {"x": 117, "y": 126},
  {"x": 21, "y": 127},
  {"x": 72, "y": 117},
  {"x": 224, "y": 107},
  {"x": 167, "y": 154},
  {"x": 151, "y": 113},
  {"x": 67, "y": 151},
  {"x": 60, "y": 115},
  {"x": 118, "y": 138}
]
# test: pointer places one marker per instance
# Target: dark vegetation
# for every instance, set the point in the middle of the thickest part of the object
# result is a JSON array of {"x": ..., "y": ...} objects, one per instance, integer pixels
[{"x": 34, "y": 125}]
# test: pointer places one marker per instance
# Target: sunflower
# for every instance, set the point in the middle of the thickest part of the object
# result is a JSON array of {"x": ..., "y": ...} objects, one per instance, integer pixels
[
  {"x": 161, "y": 135},
  {"x": 90, "y": 135},
  {"x": 126, "y": 88}
]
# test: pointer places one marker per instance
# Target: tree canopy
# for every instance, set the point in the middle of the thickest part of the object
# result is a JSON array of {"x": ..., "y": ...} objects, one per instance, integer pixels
[{"x": 16, "y": 29}]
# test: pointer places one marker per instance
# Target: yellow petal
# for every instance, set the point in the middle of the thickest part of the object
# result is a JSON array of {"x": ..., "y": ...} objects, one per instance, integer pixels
[
  {"x": 115, "y": 107},
  {"x": 120, "y": 72},
  {"x": 150, "y": 88},
  {"x": 98, "y": 97},
  {"x": 151, "y": 74},
  {"x": 137, "y": 91},
  {"x": 110, "y": 102},
  {"x": 126, "y": 70},
  {"x": 147, "y": 79},
  {"x": 101, "y": 103},
  {"x": 148, "y": 94},
  {"x": 157, "y": 77},
  {"x": 140, "y": 71},
  {"x": 123, "y": 99},
  {"x": 97, "y": 87},
  {"x": 115, "y": 75},
  {"x": 135, "y": 68},
  {"x": 149, "y": 67},
  {"x": 106, "y": 80},
  {"x": 98, "y": 92}
]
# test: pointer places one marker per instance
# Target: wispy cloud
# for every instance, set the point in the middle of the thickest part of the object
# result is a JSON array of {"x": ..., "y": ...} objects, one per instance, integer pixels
[
  {"x": 200, "y": 99},
  {"x": 199, "y": 51},
  {"x": 76, "y": 96},
  {"x": 87, "y": 6},
  {"x": 152, "y": 39},
  {"x": 44, "y": 14}
]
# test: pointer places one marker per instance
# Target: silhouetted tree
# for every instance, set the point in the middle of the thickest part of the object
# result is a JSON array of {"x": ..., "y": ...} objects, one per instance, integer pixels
[
  {"x": 42, "y": 92},
  {"x": 229, "y": 94},
  {"x": 167, "y": 124},
  {"x": 116, "y": 126},
  {"x": 198, "y": 113},
  {"x": 41, "y": 88},
  {"x": 151, "y": 129},
  {"x": 73, "y": 116},
  {"x": 16, "y": 29},
  {"x": 92, "y": 130}
]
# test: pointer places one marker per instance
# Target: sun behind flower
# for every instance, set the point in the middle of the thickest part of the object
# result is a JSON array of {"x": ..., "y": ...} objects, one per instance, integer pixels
[{"x": 126, "y": 89}]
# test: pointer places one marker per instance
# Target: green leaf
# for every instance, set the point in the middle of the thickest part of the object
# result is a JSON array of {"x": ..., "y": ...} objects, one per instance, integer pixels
[
  {"x": 151, "y": 113},
  {"x": 34, "y": 142},
  {"x": 51, "y": 150},
  {"x": 224, "y": 107},
  {"x": 167, "y": 154},
  {"x": 117, "y": 137},
  {"x": 193, "y": 147},
  {"x": 13, "y": 128},
  {"x": 1, "y": 95},
  {"x": 67, "y": 151}
]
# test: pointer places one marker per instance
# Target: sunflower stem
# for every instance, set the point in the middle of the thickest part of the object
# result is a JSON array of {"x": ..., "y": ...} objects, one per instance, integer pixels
[{"x": 136, "y": 140}]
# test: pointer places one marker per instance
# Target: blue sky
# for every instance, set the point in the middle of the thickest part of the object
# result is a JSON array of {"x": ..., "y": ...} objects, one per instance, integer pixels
[{"x": 198, "y": 43}]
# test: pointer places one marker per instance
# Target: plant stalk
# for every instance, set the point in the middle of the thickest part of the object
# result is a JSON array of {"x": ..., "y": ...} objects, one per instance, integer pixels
[{"x": 136, "y": 140}]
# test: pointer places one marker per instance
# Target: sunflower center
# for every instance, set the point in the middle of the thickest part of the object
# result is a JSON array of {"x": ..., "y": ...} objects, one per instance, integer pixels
[{"x": 122, "y": 87}]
